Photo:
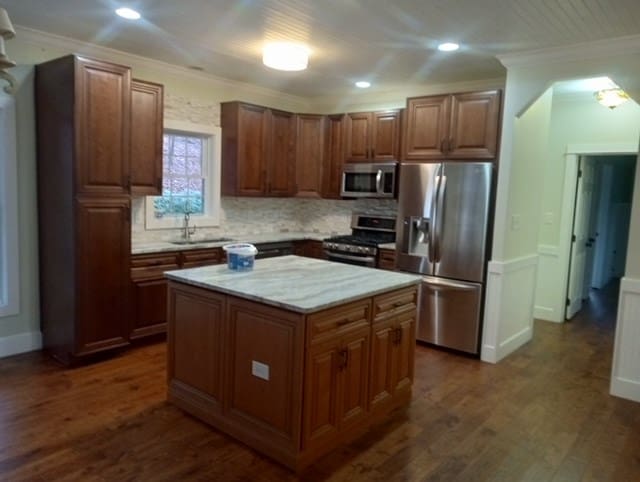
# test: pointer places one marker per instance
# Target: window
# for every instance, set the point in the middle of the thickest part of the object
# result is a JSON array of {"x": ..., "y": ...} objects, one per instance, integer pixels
[
  {"x": 190, "y": 178},
  {"x": 9, "y": 274}
]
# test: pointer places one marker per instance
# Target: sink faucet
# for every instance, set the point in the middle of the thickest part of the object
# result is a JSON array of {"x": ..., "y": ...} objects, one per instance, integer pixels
[{"x": 187, "y": 231}]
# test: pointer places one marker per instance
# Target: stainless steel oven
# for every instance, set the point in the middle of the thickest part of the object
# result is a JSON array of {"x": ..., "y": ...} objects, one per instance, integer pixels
[
  {"x": 377, "y": 180},
  {"x": 361, "y": 247}
]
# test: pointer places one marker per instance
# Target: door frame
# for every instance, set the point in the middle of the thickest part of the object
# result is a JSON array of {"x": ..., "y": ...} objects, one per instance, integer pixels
[{"x": 572, "y": 156}]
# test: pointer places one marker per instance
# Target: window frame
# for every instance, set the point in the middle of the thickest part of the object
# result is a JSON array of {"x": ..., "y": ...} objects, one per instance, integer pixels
[
  {"x": 211, "y": 167},
  {"x": 9, "y": 246}
]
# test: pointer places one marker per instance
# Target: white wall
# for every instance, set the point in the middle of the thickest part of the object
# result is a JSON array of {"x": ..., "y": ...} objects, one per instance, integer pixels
[{"x": 528, "y": 76}]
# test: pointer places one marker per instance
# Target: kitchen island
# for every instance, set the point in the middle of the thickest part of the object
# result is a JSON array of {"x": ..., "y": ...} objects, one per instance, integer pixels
[{"x": 293, "y": 358}]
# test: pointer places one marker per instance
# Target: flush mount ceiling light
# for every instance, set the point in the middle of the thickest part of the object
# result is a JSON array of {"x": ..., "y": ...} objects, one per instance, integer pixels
[
  {"x": 448, "y": 47},
  {"x": 611, "y": 98},
  {"x": 363, "y": 84},
  {"x": 128, "y": 13},
  {"x": 287, "y": 56}
]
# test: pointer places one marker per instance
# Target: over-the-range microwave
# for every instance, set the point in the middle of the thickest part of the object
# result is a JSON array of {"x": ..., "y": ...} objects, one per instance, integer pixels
[{"x": 369, "y": 180}]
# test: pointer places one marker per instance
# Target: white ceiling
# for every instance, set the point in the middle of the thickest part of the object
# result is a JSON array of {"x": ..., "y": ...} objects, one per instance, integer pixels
[{"x": 391, "y": 43}]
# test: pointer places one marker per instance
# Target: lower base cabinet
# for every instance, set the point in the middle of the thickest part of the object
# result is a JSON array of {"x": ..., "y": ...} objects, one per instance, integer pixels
[{"x": 293, "y": 386}]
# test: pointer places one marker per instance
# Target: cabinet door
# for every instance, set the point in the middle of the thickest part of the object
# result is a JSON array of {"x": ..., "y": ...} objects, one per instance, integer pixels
[
  {"x": 354, "y": 377},
  {"x": 474, "y": 125},
  {"x": 103, "y": 114},
  {"x": 385, "y": 136},
  {"x": 358, "y": 137},
  {"x": 102, "y": 267},
  {"x": 149, "y": 300},
  {"x": 146, "y": 138},
  {"x": 427, "y": 127},
  {"x": 334, "y": 157},
  {"x": 315, "y": 250},
  {"x": 195, "y": 357},
  {"x": 251, "y": 145},
  {"x": 321, "y": 418},
  {"x": 281, "y": 162},
  {"x": 382, "y": 383},
  {"x": 404, "y": 347},
  {"x": 309, "y": 155}
]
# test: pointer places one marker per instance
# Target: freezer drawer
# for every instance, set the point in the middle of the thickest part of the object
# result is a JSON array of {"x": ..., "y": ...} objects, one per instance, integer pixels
[{"x": 450, "y": 313}]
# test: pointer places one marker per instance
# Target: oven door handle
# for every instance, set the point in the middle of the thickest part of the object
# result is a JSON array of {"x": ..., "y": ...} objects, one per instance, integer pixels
[{"x": 366, "y": 259}]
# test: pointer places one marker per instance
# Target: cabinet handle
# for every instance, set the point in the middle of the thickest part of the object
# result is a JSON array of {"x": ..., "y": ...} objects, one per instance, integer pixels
[
  {"x": 343, "y": 359},
  {"x": 373, "y": 153},
  {"x": 159, "y": 184},
  {"x": 398, "y": 304},
  {"x": 127, "y": 183},
  {"x": 443, "y": 146},
  {"x": 450, "y": 144},
  {"x": 344, "y": 321}
]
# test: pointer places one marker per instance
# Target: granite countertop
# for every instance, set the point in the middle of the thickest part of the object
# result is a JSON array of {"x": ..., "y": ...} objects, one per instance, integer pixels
[
  {"x": 296, "y": 283},
  {"x": 387, "y": 246},
  {"x": 161, "y": 246}
]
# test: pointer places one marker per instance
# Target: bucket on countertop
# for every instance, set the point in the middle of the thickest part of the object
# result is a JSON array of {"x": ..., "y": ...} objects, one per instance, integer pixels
[{"x": 240, "y": 256}]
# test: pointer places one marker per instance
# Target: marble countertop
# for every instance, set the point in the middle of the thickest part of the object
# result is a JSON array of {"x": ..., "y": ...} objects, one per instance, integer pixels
[
  {"x": 161, "y": 246},
  {"x": 387, "y": 246},
  {"x": 296, "y": 283}
]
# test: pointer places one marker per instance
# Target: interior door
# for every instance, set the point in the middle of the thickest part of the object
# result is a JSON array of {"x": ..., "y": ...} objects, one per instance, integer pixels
[
  {"x": 578, "y": 260},
  {"x": 591, "y": 172}
]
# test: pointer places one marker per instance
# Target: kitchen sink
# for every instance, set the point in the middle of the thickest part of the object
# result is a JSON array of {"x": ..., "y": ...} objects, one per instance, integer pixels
[{"x": 182, "y": 242}]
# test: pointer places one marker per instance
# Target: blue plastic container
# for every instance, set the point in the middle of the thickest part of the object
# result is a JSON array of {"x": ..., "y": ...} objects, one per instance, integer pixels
[{"x": 241, "y": 256}]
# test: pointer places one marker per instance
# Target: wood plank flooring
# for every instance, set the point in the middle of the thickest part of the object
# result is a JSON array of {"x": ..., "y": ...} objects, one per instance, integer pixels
[{"x": 543, "y": 414}]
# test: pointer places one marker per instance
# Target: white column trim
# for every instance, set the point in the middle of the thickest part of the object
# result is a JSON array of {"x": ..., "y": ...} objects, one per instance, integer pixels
[{"x": 625, "y": 369}]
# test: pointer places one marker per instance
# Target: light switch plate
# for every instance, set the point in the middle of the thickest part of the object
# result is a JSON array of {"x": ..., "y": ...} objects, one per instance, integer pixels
[{"x": 260, "y": 370}]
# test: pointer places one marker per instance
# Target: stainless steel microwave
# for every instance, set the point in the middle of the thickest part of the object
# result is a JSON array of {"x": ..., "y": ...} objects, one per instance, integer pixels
[{"x": 369, "y": 180}]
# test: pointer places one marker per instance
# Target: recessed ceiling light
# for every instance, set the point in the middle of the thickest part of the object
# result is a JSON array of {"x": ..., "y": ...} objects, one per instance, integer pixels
[
  {"x": 128, "y": 13},
  {"x": 448, "y": 47},
  {"x": 363, "y": 84},
  {"x": 287, "y": 56}
]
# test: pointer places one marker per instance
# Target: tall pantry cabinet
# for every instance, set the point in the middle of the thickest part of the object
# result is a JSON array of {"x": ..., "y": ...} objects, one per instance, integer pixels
[{"x": 84, "y": 204}]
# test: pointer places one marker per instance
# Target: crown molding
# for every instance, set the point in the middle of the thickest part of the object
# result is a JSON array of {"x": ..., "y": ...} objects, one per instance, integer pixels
[
  {"x": 39, "y": 38},
  {"x": 582, "y": 51}
]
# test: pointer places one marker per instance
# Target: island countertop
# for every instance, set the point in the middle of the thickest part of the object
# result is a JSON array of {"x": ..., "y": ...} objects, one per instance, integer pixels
[{"x": 299, "y": 284}]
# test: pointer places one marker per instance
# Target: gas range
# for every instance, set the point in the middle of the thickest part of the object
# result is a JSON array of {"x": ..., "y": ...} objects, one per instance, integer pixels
[{"x": 361, "y": 247}]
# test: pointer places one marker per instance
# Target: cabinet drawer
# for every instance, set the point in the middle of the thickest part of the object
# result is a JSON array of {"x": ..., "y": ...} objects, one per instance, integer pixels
[
  {"x": 390, "y": 304},
  {"x": 387, "y": 259},
  {"x": 335, "y": 321},
  {"x": 201, "y": 257},
  {"x": 152, "y": 265}
]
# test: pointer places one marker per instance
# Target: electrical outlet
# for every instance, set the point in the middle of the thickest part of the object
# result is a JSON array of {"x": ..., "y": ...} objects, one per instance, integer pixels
[
  {"x": 547, "y": 218},
  {"x": 260, "y": 370},
  {"x": 515, "y": 222}
]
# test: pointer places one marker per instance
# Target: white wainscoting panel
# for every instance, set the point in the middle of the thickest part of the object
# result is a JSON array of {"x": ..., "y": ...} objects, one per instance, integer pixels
[
  {"x": 20, "y": 343},
  {"x": 625, "y": 372},
  {"x": 550, "y": 285},
  {"x": 508, "y": 315}
]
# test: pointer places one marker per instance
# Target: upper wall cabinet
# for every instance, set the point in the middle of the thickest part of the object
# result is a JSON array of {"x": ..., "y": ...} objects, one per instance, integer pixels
[
  {"x": 147, "y": 104},
  {"x": 310, "y": 143},
  {"x": 372, "y": 136},
  {"x": 257, "y": 150},
  {"x": 333, "y": 156},
  {"x": 457, "y": 126}
]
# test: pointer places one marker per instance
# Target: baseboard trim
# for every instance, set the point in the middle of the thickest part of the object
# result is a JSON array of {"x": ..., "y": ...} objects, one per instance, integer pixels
[
  {"x": 623, "y": 388},
  {"x": 545, "y": 313},
  {"x": 20, "y": 343}
]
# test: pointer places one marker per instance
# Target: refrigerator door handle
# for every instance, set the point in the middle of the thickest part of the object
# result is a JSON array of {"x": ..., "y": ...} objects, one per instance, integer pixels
[
  {"x": 440, "y": 284},
  {"x": 379, "y": 182},
  {"x": 440, "y": 219},
  {"x": 434, "y": 218}
]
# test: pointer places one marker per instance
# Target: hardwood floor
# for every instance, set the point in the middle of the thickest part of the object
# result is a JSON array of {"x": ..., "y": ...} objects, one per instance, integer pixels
[{"x": 543, "y": 414}]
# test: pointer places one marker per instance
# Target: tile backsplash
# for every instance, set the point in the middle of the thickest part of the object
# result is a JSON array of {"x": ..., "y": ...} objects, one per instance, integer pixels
[{"x": 264, "y": 215}]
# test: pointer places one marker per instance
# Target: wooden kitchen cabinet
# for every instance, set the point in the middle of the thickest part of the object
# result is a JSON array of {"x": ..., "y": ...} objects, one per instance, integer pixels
[
  {"x": 257, "y": 151},
  {"x": 84, "y": 217},
  {"x": 147, "y": 104},
  {"x": 392, "y": 346},
  {"x": 372, "y": 136},
  {"x": 334, "y": 156},
  {"x": 149, "y": 292},
  {"x": 387, "y": 259},
  {"x": 453, "y": 126},
  {"x": 310, "y": 144}
]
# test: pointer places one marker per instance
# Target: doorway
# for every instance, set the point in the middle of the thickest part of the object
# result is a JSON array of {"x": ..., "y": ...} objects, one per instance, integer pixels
[{"x": 602, "y": 215}]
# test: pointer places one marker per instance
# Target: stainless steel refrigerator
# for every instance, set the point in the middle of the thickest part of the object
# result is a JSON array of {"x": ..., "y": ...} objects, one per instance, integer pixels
[{"x": 441, "y": 233}]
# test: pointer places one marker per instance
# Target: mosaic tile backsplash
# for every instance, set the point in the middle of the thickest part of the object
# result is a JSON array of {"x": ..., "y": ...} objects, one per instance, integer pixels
[{"x": 267, "y": 215}]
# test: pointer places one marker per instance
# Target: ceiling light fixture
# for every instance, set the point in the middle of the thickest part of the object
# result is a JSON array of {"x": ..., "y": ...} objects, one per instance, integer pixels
[
  {"x": 363, "y": 84},
  {"x": 611, "y": 98},
  {"x": 287, "y": 56},
  {"x": 128, "y": 13},
  {"x": 448, "y": 47}
]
